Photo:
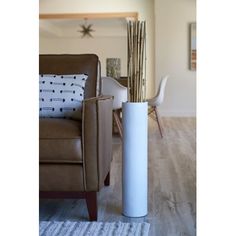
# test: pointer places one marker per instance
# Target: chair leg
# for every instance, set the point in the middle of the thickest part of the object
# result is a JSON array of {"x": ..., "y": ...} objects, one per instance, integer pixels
[
  {"x": 118, "y": 123},
  {"x": 150, "y": 110},
  {"x": 91, "y": 200},
  {"x": 107, "y": 180},
  {"x": 158, "y": 121}
]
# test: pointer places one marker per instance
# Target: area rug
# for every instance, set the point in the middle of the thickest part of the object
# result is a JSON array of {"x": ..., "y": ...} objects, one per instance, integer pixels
[{"x": 70, "y": 228}]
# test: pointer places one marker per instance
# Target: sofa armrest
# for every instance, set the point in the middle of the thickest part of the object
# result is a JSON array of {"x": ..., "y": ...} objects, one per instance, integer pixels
[{"x": 96, "y": 140}]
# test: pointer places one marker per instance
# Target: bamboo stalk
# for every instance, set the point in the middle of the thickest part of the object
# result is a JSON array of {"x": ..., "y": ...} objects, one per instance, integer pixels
[
  {"x": 140, "y": 63},
  {"x": 136, "y": 35},
  {"x": 142, "y": 49},
  {"x": 128, "y": 57},
  {"x": 139, "y": 74},
  {"x": 135, "y": 60},
  {"x": 138, "y": 59},
  {"x": 145, "y": 61}
]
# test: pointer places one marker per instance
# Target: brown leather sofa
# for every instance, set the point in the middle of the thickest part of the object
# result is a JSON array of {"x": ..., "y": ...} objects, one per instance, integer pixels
[{"x": 75, "y": 156}]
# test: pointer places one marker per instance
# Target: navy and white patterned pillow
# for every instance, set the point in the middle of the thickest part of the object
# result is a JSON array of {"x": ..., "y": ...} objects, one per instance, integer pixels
[{"x": 61, "y": 96}]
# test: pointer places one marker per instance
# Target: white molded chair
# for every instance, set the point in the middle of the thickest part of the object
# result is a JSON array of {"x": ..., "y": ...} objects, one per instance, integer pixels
[
  {"x": 157, "y": 100},
  {"x": 110, "y": 86}
]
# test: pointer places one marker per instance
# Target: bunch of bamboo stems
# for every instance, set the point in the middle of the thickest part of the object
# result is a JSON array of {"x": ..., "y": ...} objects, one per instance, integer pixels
[{"x": 136, "y": 31}]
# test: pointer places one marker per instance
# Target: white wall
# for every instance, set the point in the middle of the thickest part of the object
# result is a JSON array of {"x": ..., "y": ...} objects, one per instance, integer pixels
[
  {"x": 172, "y": 18},
  {"x": 168, "y": 53},
  {"x": 143, "y": 7},
  {"x": 104, "y": 47}
]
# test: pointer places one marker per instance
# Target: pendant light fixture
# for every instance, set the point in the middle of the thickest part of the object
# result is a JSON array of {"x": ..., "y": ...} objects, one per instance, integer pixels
[{"x": 86, "y": 29}]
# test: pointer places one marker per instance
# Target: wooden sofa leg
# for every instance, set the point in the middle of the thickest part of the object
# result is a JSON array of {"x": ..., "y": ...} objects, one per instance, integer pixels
[
  {"x": 107, "y": 180},
  {"x": 91, "y": 200}
]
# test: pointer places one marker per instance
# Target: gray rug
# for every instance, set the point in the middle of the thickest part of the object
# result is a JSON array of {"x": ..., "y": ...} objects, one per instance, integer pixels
[{"x": 69, "y": 228}]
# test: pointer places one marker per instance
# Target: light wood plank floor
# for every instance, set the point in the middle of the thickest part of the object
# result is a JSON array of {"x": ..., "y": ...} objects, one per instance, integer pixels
[{"x": 172, "y": 184}]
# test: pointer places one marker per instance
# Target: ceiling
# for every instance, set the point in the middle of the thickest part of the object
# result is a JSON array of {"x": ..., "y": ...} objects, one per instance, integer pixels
[{"x": 61, "y": 28}]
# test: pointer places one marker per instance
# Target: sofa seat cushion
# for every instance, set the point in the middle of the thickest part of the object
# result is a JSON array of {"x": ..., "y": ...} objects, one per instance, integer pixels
[
  {"x": 59, "y": 141},
  {"x": 58, "y": 177}
]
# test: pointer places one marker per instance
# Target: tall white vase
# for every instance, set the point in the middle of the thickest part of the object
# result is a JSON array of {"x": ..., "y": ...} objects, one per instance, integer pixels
[{"x": 135, "y": 162}]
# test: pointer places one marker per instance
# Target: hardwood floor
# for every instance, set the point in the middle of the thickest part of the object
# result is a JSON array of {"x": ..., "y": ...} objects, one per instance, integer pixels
[{"x": 172, "y": 184}]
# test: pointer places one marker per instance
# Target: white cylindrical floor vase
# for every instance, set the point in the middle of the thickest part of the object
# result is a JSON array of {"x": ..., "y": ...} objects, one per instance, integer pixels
[{"x": 134, "y": 159}]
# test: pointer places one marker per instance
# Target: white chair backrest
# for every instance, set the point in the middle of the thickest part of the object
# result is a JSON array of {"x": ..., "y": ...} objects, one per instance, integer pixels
[
  {"x": 158, "y": 99},
  {"x": 112, "y": 87},
  {"x": 161, "y": 90}
]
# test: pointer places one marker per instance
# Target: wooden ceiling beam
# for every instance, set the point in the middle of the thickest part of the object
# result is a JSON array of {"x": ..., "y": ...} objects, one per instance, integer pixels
[{"x": 108, "y": 15}]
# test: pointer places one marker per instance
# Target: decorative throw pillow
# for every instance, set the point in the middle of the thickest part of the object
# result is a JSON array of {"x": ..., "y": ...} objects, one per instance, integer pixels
[{"x": 61, "y": 96}]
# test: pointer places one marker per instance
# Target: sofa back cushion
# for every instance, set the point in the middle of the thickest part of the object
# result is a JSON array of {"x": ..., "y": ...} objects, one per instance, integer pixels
[{"x": 62, "y": 64}]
